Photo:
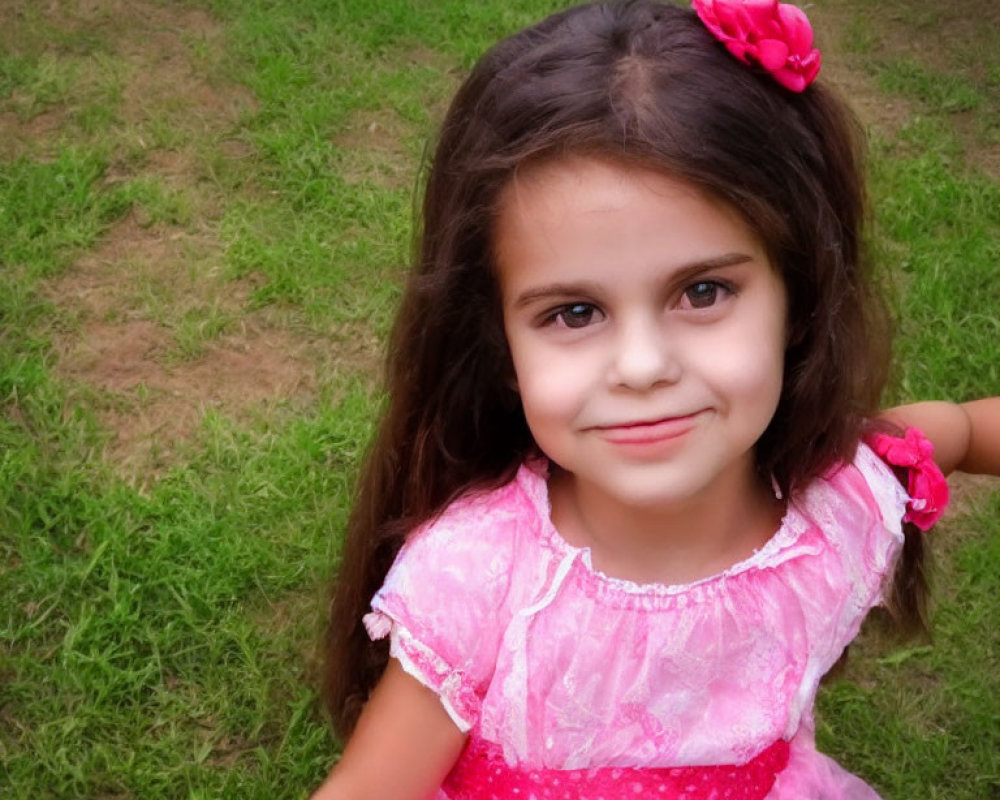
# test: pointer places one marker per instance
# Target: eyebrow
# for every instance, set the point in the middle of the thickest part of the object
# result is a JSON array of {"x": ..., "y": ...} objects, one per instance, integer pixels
[{"x": 681, "y": 274}]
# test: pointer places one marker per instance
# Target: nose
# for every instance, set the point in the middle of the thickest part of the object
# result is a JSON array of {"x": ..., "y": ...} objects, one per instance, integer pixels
[{"x": 643, "y": 356}]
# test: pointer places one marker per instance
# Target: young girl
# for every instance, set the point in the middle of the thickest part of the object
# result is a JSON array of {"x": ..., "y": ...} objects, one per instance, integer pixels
[{"x": 620, "y": 516}]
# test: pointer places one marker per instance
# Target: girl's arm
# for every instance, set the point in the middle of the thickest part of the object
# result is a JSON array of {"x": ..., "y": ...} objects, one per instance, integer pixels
[
  {"x": 966, "y": 436},
  {"x": 402, "y": 749}
]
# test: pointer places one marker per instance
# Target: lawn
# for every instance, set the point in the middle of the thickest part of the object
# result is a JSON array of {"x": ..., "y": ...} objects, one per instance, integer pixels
[{"x": 205, "y": 212}]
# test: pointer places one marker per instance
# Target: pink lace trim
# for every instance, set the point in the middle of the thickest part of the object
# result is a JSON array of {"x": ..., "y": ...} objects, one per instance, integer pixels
[
  {"x": 481, "y": 773},
  {"x": 457, "y": 693}
]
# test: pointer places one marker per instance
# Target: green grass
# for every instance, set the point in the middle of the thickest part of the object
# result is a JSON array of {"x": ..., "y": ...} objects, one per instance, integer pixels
[
  {"x": 922, "y": 721},
  {"x": 158, "y": 635}
]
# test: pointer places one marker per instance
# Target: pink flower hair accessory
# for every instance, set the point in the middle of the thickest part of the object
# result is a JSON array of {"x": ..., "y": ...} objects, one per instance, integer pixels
[
  {"x": 926, "y": 484},
  {"x": 775, "y": 35}
]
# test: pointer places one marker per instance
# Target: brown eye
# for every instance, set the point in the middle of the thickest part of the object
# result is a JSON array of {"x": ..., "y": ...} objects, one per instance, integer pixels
[
  {"x": 577, "y": 315},
  {"x": 703, "y": 294}
]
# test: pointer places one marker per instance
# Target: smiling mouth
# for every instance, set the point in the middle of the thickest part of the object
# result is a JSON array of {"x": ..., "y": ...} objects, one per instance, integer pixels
[{"x": 648, "y": 431}]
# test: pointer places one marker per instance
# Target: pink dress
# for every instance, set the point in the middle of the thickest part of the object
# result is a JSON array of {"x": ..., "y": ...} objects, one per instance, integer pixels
[{"x": 552, "y": 666}]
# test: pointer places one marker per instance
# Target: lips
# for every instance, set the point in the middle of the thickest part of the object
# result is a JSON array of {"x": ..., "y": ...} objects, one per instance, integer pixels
[{"x": 647, "y": 431}]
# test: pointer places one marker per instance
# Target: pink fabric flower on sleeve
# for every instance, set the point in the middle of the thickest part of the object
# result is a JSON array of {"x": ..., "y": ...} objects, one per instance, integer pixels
[
  {"x": 775, "y": 35},
  {"x": 926, "y": 484}
]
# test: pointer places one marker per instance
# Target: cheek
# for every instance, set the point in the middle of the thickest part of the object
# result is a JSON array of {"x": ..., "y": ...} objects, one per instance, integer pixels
[
  {"x": 748, "y": 367},
  {"x": 764, "y": 372},
  {"x": 753, "y": 385},
  {"x": 767, "y": 338},
  {"x": 550, "y": 388}
]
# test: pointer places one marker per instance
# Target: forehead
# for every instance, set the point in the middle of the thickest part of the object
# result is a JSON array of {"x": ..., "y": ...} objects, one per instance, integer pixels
[{"x": 593, "y": 216}]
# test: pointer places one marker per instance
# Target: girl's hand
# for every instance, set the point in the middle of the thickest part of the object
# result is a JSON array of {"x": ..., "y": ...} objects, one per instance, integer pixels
[
  {"x": 402, "y": 749},
  {"x": 966, "y": 436}
]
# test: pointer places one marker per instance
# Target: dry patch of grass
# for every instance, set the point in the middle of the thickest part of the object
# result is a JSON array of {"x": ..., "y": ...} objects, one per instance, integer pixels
[
  {"x": 833, "y": 23},
  {"x": 934, "y": 59},
  {"x": 373, "y": 149},
  {"x": 129, "y": 302},
  {"x": 149, "y": 324}
]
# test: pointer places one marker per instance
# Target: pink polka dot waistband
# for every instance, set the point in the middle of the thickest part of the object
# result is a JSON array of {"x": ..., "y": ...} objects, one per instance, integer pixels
[{"x": 481, "y": 773}]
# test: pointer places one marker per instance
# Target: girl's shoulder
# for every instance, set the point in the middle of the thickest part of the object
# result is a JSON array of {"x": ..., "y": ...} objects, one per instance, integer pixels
[
  {"x": 857, "y": 505},
  {"x": 479, "y": 544},
  {"x": 866, "y": 483},
  {"x": 485, "y": 521}
]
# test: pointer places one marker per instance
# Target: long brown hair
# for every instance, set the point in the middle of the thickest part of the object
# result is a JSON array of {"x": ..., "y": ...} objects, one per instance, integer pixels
[{"x": 645, "y": 83}]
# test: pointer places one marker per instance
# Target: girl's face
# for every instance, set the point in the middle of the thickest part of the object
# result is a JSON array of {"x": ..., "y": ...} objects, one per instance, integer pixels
[{"x": 646, "y": 326}]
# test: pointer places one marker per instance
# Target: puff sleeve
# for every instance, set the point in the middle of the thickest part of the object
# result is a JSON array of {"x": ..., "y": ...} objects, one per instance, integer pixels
[
  {"x": 444, "y": 602},
  {"x": 859, "y": 509}
]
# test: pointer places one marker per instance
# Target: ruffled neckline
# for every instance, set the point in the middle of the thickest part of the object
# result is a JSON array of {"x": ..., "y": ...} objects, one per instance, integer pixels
[{"x": 783, "y": 545}]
